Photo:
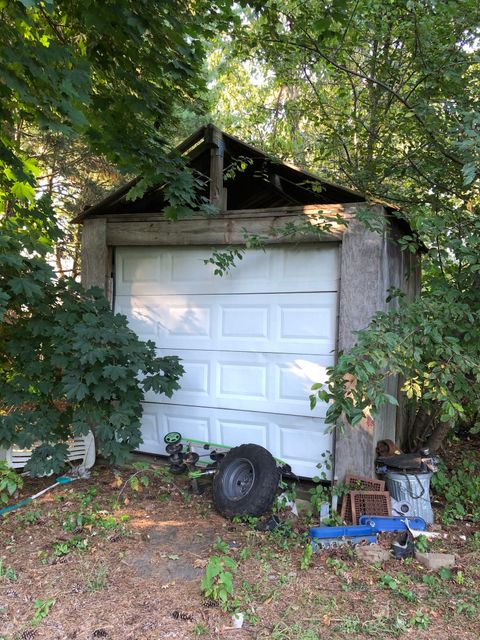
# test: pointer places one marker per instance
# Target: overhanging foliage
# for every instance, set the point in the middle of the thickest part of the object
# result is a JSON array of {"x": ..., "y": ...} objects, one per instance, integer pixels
[
  {"x": 67, "y": 364},
  {"x": 382, "y": 95}
]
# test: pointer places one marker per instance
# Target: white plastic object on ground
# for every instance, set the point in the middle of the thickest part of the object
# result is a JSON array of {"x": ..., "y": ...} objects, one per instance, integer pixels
[
  {"x": 324, "y": 512},
  {"x": 416, "y": 533},
  {"x": 80, "y": 449},
  {"x": 284, "y": 501},
  {"x": 237, "y": 620}
]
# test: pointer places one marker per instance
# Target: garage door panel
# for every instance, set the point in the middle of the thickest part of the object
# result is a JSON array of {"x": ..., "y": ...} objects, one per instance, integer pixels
[
  {"x": 247, "y": 320},
  {"x": 242, "y": 381},
  {"x": 177, "y": 270},
  {"x": 304, "y": 448},
  {"x": 283, "y": 323},
  {"x": 152, "y": 432},
  {"x": 137, "y": 268},
  {"x": 284, "y": 436},
  {"x": 276, "y": 383},
  {"x": 169, "y": 321},
  {"x": 158, "y": 420},
  {"x": 236, "y": 432},
  {"x": 252, "y": 343},
  {"x": 310, "y": 320},
  {"x": 190, "y": 270},
  {"x": 189, "y": 425},
  {"x": 196, "y": 379}
]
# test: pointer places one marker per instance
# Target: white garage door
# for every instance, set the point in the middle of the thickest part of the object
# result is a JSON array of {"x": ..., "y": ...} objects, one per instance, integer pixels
[{"x": 252, "y": 343}]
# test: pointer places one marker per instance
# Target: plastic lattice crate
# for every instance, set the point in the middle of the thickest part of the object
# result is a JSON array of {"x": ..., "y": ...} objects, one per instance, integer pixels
[
  {"x": 361, "y": 483},
  {"x": 358, "y": 483},
  {"x": 370, "y": 503}
]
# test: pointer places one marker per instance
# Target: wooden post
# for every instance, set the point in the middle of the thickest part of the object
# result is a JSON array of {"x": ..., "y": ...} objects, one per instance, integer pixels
[
  {"x": 96, "y": 257},
  {"x": 363, "y": 285},
  {"x": 217, "y": 196}
]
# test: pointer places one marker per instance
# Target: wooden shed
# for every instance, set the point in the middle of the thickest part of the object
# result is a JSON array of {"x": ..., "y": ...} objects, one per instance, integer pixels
[{"x": 254, "y": 340}]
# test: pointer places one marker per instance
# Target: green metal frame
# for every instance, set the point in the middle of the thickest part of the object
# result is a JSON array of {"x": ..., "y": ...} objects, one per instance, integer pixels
[{"x": 212, "y": 445}]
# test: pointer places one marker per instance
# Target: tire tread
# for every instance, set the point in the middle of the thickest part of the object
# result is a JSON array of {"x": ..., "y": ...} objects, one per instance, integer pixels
[{"x": 260, "y": 498}]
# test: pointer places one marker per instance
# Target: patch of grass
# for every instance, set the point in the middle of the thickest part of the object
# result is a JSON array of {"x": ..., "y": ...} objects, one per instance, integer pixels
[
  {"x": 282, "y": 631},
  {"x": 257, "y": 593},
  {"x": 107, "y": 523},
  {"x": 245, "y": 553},
  {"x": 350, "y": 625},
  {"x": 466, "y": 608},
  {"x": 380, "y": 627},
  {"x": 474, "y": 541},
  {"x": 7, "y": 572},
  {"x": 284, "y": 537},
  {"x": 97, "y": 580},
  {"x": 96, "y": 521},
  {"x": 437, "y": 588},
  {"x": 251, "y": 521},
  {"x": 221, "y": 546},
  {"x": 61, "y": 549},
  {"x": 199, "y": 629},
  {"x": 306, "y": 557},
  {"x": 29, "y": 517},
  {"x": 330, "y": 605},
  {"x": 88, "y": 498},
  {"x": 77, "y": 519},
  {"x": 339, "y": 566}
]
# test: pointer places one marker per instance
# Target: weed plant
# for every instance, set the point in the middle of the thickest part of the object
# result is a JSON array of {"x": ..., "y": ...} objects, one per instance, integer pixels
[{"x": 459, "y": 488}]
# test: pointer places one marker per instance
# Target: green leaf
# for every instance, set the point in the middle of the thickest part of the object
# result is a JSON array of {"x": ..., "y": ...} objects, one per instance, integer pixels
[
  {"x": 23, "y": 191},
  {"x": 445, "y": 573},
  {"x": 391, "y": 399}
]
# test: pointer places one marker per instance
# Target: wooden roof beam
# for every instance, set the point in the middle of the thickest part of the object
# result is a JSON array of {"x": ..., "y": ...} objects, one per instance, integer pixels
[{"x": 214, "y": 136}]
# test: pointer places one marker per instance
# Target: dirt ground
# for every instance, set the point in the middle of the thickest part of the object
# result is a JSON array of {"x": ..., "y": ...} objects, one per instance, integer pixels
[{"x": 98, "y": 559}]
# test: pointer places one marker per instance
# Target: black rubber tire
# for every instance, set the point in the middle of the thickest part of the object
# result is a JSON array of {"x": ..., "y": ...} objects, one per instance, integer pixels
[
  {"x": 246, "y": 481},
  {"x": 177, "y": 470}
]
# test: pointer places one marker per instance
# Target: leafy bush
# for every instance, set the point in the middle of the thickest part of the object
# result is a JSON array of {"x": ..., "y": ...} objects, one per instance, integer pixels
[
  {"x": 67, "y": 363},
  {"x": 460, "y": 489},
  {"x": 440, "y": 370},
  {"x": 10, "y": 481}
]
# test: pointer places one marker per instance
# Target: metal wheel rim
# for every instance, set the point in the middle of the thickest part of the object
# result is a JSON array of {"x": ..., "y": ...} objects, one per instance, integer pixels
[
  {"x": 238, "y": 479},
  {"x": 172, "y": 438}
]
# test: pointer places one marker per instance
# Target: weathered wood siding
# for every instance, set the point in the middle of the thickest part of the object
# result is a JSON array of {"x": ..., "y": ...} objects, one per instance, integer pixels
[
  {"x": 371, "y": 264},
  {"x": 96, "y": 267}
]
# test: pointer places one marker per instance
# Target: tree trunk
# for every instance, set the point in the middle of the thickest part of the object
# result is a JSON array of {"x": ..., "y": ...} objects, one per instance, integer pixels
[
  {"x": 436, "y": 438},
  {"x": 420, "y": 427}
]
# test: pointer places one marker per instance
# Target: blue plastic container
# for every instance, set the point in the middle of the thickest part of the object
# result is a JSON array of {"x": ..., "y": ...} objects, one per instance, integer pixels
[
  {"x": 392, "y": 523},
  {"x": 353, "y": 531}
]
